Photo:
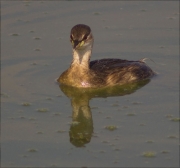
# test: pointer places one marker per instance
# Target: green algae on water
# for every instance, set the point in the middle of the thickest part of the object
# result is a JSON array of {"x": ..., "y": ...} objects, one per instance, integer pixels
[
  {"x": 175, "y": 119},
  {"x": 149, "y": 154},
  {"x": 42, "y": 110},
  {"x": 15, "y": 34},
  {"x": 26, "y": 104},
  {"x": 149, "y": 141},
  {"x": 169, "y": 116},
  {"x": 111, "y": 127}
]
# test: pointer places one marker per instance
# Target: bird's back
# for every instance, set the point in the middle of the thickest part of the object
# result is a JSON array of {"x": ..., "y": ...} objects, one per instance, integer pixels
[{"x": 118, "y": 71}]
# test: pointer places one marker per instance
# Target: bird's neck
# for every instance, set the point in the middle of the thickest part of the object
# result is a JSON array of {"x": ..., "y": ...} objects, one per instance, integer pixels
[{"x": 81, "y": 57}]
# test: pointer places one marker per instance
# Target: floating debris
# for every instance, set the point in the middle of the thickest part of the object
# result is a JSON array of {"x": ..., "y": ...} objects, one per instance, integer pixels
[
  {"x": 175, "y": 119},
  {"x": 150, "y": 141},
  {"x": 37, "y": 38},
  {"x": 22, "y": 117},
  {"x": 96, "y": 13},
  {"x": 42, "y": 110},
  {"x": 32, "y": 150},
  {"x": 161, "y": 46},
  {"x": 164, "y": 152},
  {"x": 169, "y": 116},
  {"x": 171, "y": 18},
  {"x": 39, "y": 132},
  {"x": 37, "y": 49},
  {"x": 15, "y": 34},
  {"x": 111, "y": 127},
  {"x": 149, "y": 154},
  {"x": 26, "y": 104},
  {"x": 117, "y": 149},
  {"x": 25, "y": 156},
  {"x": 49, "y": 98},
  {"x": 172, "y": 137},
  {"x": 108, "y": 117}
]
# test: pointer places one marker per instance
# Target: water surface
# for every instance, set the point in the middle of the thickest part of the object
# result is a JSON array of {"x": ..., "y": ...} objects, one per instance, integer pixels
[{"x": 45, "y": 125}]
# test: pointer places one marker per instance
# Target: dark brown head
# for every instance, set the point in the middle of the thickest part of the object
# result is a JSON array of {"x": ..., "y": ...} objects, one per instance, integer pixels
[{"x": 81, "y": 36}]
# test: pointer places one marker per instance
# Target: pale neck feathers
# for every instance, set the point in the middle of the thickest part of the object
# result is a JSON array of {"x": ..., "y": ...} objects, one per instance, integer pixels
[{"x": 81, "y": 57}]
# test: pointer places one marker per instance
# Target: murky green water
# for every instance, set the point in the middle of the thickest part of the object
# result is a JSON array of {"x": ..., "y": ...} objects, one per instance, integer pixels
[{"x": 45, "y": 125}]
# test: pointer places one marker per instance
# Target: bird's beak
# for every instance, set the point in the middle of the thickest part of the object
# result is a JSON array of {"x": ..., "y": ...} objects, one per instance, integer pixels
[{"x": 77, "y": 44}]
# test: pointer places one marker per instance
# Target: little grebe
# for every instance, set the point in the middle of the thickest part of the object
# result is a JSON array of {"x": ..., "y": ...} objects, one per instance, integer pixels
[{"x": 99, "y": 73}]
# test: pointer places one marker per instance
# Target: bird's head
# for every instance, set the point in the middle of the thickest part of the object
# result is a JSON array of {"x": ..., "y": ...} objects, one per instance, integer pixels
[{"x": 81, "y": 37}]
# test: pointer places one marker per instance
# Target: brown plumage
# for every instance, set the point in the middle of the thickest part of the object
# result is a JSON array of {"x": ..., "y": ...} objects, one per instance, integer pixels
[{"x": 99, "y": 73}]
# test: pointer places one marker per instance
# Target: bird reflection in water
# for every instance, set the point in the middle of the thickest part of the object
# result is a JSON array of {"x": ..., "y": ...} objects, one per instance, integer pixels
[{"x": 81, "y": 129}]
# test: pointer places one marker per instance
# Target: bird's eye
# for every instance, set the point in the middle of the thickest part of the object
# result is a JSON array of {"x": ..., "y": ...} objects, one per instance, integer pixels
[{"x": 85, "y": 37}]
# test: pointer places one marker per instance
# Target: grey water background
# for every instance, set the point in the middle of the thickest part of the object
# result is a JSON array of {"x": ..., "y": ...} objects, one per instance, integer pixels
[{"x": 36, "y": 115}]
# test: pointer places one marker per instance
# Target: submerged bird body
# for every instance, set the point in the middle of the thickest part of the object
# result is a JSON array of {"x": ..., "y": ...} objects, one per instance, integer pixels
[{"x": 99, "y": 73}]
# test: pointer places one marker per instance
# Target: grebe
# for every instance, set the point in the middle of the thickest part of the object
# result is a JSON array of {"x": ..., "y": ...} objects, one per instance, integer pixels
[{"x": 99, "y": 73}]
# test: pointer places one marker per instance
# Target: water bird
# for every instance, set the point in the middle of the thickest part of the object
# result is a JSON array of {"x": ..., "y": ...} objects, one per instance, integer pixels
[{"x": 99, "y": 73}]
